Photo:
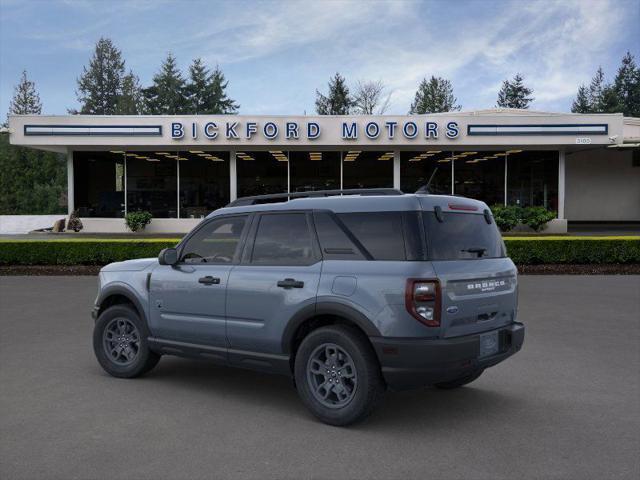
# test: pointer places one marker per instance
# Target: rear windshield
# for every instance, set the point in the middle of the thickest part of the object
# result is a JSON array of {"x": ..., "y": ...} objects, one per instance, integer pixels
[{"x": 462, "y": 236}]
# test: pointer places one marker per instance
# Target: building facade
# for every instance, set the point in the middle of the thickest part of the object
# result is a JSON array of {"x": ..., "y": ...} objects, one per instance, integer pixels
[{"x": 180, "y": 168}]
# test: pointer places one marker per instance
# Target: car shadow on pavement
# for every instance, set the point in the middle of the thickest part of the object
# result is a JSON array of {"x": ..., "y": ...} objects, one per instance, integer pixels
[{"x": 427, "y": 407}]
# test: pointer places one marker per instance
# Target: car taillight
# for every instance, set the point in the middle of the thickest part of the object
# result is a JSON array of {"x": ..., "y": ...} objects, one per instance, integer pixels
[{"x": 422, "y": 299}]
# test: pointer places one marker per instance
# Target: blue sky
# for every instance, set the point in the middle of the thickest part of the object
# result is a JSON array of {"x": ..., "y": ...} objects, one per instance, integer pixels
[{"x": 275, "y": 54}]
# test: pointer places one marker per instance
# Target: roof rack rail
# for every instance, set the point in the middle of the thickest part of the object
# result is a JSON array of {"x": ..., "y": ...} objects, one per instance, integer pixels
[{"x": 285, "y": 197}]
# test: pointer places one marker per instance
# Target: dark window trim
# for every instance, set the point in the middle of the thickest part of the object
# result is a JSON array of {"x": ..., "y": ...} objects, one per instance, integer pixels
[{"x": 204, "y": 224}]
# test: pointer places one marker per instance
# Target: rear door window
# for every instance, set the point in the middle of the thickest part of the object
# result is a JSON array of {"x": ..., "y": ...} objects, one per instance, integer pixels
[
  {"x": 462, "y": 236},
  {"x": 283, "y": 239},
  {"x": 381, "y": 233}
]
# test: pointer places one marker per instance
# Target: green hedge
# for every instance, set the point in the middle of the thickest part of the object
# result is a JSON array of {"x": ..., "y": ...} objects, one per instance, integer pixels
[
  {"x": 573, "y": 250},
  {"x": 523, "y": 250},
  {"x": 78, "y": 252}
]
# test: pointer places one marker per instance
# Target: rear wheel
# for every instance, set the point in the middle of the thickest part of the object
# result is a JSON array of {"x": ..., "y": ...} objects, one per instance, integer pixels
[
  {"x": 459, "y": 382},
  {"x": 120, "y": 343},
  {"x": 337, "y": 375}
]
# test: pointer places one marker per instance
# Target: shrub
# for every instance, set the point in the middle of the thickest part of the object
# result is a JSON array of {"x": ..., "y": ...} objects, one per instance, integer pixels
[
  {"x": 522, "y": 250},
  {"x": 510, "y": 216},
  {"x": 536, "y": 217},
  {"x": 573, "y": 250},
  {"x": 79, "y": 251},
  {"x": 506, "y": 217},
  {"x": 75, "y": 223},
  {"x": 137, "y": 220}
]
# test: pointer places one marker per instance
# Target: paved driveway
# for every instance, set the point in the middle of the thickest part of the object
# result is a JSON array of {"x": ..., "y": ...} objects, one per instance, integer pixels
[{"x": 567, "y": 406}]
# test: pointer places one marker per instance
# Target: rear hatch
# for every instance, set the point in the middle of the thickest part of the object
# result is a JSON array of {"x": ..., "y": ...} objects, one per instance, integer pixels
[{"x": 478, "y": 282}]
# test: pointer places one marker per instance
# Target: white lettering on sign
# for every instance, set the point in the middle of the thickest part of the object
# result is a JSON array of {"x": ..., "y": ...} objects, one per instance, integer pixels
[{"x": 583, "y": 141}]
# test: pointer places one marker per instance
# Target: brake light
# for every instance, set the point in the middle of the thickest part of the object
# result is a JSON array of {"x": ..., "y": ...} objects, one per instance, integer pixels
[
  {"x": 422, "y": 299},
  {"x": 465, "y": 208}
]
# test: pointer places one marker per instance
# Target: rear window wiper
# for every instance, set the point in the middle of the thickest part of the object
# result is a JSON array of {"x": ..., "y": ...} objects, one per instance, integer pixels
[{"x": 479, "y": 250}]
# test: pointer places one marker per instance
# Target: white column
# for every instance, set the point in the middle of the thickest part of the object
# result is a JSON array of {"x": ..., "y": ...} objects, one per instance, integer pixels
[
  {"x": 506, "y": 169},
  {"x": 125, "y": 185},
  {"x": 396, "y": 169},
  {"x": 233, "y": 177},
  {"x": 561, "y": 177},
  {"x": 70, "y": 183},
  {"x": 177, "y": 188},
  {"x": 453, "y": 175}
]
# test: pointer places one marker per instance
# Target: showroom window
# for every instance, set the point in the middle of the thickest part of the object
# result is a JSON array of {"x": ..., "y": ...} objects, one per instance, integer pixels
[
  {"x": 260, "y": 173},
  {"x": 99, "y": 184},
  {"x": 364, "y": 169}
]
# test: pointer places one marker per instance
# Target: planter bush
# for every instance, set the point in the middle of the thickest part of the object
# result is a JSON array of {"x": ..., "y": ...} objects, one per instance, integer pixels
[
  {"x": 506, "y": 217},
  {"x": 136, "y": 221},
  {"x": 523, "y": 250},
  {"x": 510, "y": 216}
]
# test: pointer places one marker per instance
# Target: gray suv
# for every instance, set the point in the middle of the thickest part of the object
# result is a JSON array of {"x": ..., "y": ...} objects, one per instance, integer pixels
[{"x": 348, "y": 292}]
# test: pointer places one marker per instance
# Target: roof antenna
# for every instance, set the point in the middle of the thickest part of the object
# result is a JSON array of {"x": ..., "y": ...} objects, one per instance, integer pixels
[{"x": 425, "y": 188}]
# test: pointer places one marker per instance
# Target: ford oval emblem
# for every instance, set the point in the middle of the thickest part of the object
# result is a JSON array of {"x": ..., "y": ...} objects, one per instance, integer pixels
[{"x": 452, "y": 309}]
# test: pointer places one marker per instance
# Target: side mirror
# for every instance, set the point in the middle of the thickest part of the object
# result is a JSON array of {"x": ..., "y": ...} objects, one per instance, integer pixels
[{"x": 168, "y": 256}]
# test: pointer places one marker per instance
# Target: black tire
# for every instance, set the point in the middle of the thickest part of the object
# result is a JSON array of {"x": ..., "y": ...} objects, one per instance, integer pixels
[
  {"x": 459, "y": 382},
  {"x": 363, "y": 391},
  {"x": 133, "y": 358}
]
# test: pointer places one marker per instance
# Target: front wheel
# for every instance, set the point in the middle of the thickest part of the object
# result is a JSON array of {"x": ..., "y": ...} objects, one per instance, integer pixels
[
  {"x": 337, "y": 375},
  {"x": 120, "y": 343}
]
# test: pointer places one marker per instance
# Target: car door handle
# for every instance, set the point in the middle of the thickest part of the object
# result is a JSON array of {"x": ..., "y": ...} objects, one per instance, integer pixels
[
  {"x": 209, "y": 280},
  {"x": 290, "y": 283}
]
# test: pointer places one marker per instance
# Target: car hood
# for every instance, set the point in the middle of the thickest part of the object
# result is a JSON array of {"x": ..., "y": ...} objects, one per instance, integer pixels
[{"x": 130, "y": 265}]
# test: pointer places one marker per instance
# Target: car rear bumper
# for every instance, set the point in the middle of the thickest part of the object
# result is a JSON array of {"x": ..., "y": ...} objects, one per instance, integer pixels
[{"x": 411, "y": 363}]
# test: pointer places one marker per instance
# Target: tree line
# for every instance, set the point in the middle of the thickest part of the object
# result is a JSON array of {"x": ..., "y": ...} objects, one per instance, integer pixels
[
  {"x": 33, "y": 181},
  {"x": 106, "y": 88}
]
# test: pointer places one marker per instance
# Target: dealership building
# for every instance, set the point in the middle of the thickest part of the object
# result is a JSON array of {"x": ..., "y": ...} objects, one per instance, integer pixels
[{"x": 584, "y": 167}]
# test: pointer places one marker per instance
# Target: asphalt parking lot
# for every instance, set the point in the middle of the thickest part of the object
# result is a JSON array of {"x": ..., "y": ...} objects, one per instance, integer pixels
[{"x": 567, "y": 406}]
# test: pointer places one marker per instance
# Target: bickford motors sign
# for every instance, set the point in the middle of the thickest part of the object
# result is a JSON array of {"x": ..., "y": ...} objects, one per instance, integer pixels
[{"x": 294, "y": 130}]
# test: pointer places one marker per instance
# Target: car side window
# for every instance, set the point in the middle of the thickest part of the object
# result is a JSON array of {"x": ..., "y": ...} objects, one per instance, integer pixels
[
  {"x": 283, "y": 239},
  {"x": 381, "y": 233},
  {"x": 334, "y": 241},
  {"x": 215, "y": 243}
]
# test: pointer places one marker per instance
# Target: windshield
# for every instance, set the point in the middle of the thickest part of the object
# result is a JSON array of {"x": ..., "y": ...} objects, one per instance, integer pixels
[{"x": 462, "y": 236}]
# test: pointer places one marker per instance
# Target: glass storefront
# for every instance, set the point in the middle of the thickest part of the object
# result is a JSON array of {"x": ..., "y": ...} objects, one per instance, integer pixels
[
  {"x": 204, "y": 182},
  {"x": 260, "y": 173},
  {"x": 532, "y": 178},
  {"x": 314, "y": 171},
  {"x": 99, "y": 184},
  {"x": 152, "y": 184},
  {"x": 480, "y": 175},
  {"x": 367, "y": 169},
  {"x": 428, "y": 167},
  {"x": 191, "y": 184}
]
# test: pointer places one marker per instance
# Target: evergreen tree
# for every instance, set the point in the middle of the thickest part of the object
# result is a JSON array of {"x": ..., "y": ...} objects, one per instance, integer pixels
[
  {"x": 167, "y": 95},
  {"x": 100, "y": 85},
  {"x": 627, "y": 86},
  {"x": 338, "y": 101},
  {"x": 206, "y": 91},
  {"x": 433, "y": 96},
  {"x": 25, "y": 99},
  {"x": 581, "y": 104},
  {"x": 514, "y": 94},
  {"x": 219, "y": 102},
  {"x": 596, "y": 91},
  {"x": 196, "y": 89},
  {"x": 130, "y": 101},
  {"x": 31, "y": 181}
]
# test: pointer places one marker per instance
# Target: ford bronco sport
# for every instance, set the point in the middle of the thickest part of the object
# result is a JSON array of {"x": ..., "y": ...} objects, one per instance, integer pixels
[{"x": 348, "y": 292}]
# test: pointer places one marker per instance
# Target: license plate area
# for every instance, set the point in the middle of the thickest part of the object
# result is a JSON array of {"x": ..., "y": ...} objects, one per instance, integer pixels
[{"x": 489, "y": 344}]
